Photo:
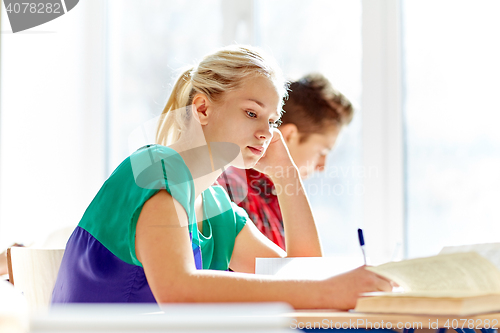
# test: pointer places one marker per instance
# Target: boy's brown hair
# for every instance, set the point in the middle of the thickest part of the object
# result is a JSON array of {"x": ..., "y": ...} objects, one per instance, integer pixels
[{"x": 313, "y": 105}]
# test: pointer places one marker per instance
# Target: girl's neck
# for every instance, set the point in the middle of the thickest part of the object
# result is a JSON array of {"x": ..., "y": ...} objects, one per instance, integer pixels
[
  {"x": 204, "y": 182},
  {"x": 199, "y": 162}
]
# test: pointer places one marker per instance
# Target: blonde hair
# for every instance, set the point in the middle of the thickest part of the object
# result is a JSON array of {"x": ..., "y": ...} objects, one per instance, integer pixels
[{"x": 216, "y": 75}]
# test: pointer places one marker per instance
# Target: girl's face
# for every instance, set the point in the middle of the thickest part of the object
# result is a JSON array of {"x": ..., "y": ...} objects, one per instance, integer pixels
[{"x": 244, "y": 117}]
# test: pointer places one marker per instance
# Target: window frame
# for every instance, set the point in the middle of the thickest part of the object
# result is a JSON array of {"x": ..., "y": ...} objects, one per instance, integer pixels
[{"x": 382, "y": 131}]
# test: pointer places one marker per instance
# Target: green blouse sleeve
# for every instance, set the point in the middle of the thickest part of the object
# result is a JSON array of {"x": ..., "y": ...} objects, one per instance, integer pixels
[
  {"x": 241, "y": 217},
  {"x": 112, "y": 216}
]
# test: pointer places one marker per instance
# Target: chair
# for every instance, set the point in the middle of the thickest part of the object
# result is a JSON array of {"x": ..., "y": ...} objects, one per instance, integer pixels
[{"x": 33, "y": 272}]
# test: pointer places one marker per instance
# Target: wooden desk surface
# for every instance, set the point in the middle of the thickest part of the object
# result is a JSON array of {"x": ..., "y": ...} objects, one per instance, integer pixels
[{"x": 344, "y": 319}]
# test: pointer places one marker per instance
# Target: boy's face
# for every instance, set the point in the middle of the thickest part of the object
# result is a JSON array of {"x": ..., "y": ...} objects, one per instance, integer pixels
[{"x": 310, "y": 155}]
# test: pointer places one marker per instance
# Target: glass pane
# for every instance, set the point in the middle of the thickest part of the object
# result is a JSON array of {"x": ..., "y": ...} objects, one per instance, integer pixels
[
  {"x": 48, "y": 169},
  {"x": 452, "y": 116},
  {"x": 146, "y": 52},
  {"x": 325, "y": 37}
]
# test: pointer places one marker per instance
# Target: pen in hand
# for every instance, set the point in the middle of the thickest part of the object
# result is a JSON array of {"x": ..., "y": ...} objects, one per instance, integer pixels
[{"x": 362, "y": 243}]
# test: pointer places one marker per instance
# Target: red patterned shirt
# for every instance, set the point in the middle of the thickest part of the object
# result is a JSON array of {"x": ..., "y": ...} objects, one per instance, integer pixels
[{"x": 255, "y": 192}]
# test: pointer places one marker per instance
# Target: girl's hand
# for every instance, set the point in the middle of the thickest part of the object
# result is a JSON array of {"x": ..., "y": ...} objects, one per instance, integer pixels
[
  {"x": 276, "y": 161},
  {"x": 342, "y": 291}
]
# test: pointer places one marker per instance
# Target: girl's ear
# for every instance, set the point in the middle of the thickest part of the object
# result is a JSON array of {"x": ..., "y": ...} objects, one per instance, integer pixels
[
  {"x": 201, "y": 108},
  {"x": 290, "y": 133}
]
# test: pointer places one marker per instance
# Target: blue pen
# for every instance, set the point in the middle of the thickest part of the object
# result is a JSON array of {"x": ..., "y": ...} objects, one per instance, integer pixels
[{"x": 362, "y": 243}]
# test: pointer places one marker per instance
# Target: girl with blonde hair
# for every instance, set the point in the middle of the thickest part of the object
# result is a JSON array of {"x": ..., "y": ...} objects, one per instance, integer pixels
[{"x": 158, "y": 231}]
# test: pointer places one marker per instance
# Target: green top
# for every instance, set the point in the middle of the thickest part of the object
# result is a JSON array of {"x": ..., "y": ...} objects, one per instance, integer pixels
[{"x": 112, "y": 216}]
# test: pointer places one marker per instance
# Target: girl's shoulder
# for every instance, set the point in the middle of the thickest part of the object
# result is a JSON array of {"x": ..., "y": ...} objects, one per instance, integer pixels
[
  {"x": 156, "y": 149},
  {"x": 155, "y": 166}
]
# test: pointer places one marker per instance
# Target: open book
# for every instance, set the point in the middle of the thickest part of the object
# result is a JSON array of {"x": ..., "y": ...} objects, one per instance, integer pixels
[{"x": 452, "y": 283}]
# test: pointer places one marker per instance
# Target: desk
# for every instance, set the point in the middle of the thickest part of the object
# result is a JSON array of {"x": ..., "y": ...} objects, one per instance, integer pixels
[
  {"x": 344, "y": 319},
  {"x": 149, "y": 317}
]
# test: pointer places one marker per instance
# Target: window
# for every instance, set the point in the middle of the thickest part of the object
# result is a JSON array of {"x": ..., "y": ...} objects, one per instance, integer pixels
[
  {"x": 145, "y": 53},
  {"x": 146, "y": 50},
  {"x": 452, "y": 115},
  {"x": 52, "y": 112},
  {"x": 325, "y": 37}
]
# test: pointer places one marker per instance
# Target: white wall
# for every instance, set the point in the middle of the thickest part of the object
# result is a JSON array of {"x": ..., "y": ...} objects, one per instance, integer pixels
[{"x": 51, "y": 122}]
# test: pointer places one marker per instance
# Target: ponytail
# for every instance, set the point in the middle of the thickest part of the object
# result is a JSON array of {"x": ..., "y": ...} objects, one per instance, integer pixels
[{"x": 170, "y": 125}]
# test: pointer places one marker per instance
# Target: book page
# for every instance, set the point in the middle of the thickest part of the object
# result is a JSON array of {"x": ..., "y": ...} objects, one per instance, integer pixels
[
  {"x": 462, "y": 272},
  {"x": 490, "y": 251}
]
